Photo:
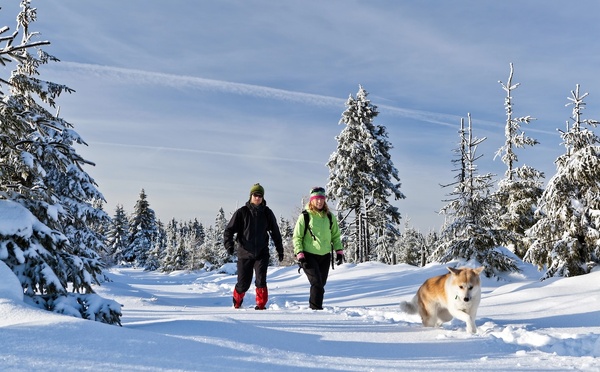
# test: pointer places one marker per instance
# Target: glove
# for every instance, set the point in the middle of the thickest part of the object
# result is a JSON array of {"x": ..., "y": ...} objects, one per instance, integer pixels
[
  {"x": 280, "y": 256},
  {"x": 301, "y": 258},
  {"x": 230, "y": 251},
  {"x": 339, "y": 256}
]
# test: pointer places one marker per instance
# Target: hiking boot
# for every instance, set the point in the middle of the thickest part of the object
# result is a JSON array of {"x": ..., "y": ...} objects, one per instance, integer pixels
[
  {"x": 238, "y": 298},
  {"x": 262, "y": 296}
]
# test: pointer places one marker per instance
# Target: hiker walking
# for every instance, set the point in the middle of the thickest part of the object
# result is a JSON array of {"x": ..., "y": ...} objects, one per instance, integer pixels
[
  {"x": 252, "y": 223},
  {"x": 316, "y": 238}
]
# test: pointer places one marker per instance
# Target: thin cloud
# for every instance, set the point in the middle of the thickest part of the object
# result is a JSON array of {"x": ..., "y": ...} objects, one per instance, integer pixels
[
  {"x": 123, "y": 75},
  {"x": 194, "y": 151}
]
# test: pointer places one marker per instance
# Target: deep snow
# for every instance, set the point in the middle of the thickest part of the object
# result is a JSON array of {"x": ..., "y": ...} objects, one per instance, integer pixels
[{"x": 185, "y": 322}]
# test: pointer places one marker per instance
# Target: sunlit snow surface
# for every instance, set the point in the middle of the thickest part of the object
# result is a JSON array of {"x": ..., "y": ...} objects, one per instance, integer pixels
[{"x": 185, "y": 322}]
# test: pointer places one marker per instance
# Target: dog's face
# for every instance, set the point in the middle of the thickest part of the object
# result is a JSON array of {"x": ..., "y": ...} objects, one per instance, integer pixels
[{"x": 465, "y": 283}]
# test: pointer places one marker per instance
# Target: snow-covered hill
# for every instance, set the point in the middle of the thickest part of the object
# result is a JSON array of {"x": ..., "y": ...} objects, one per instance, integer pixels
[{"x": 185, "y": 322}]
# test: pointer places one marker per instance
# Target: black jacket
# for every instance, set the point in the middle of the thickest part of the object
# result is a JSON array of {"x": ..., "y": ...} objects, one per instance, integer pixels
[{"x": 251, "y": 225}]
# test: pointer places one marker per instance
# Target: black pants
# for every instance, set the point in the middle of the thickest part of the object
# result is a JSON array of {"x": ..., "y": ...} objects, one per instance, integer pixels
[
  {"x": 245, "y": 268},
  {"x": 316, "y": 269}
]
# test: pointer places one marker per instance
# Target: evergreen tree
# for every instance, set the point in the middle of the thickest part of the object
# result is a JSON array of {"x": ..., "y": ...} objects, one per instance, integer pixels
[
  {"x": 521, "y": 187},
  {"x": 117, "y": 236},
  {"x": 41, "y": 170},
  {"x": 195, "y": 243},
  {"x": 431, "y": 241},
  {"x": 218, "y": 254},
  {"x": 287, "y": 231},
  {"x": 157, "y": 252},
  {"x": 143, "y": 231},
  {"x": 172, "y": 232},
  {"x": 361, "y": 173},
  {"x": 176, "y": 254},
  {"x": 567, "y": 234},
  {"x": 385, "y": 244},
  {"x": 469, "y": 232},
  {"x": 412, "y": 246}
]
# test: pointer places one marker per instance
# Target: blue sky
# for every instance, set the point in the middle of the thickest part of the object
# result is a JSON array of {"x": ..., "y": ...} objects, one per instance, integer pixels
[{"x": 194, "y": 101}]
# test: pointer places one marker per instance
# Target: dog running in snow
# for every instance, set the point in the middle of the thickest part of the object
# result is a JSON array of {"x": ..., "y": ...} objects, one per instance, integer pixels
[{"x": 455, "y": 294}]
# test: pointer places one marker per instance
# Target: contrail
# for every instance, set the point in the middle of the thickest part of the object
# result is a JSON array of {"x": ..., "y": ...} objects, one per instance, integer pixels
[
  {"x": 195, "y": 151},
  {"x": 131, "y": 76}
]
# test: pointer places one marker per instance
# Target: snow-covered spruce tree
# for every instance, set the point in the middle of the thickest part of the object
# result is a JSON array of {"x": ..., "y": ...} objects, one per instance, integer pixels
[
  {"x": 431, "y": 241},
  {"x": 412, "y": 246},
  {"x": 360, "y": 177},
  {"x": 176, "y": 254},
  {"x": 521, "y": 187},
  {"x": 41, "y": 171},
  {"x": 157, "y": 252},
  {"x": 385, "y": 244},
  {"x": 217, "y": 252},
  {"x": 565, "y": 239},
  {"x": 142, "y": 230},
  {"x": 117, "y": 236},
  {"x": 469, "y": 232},
  {"x": 195, "y": 238},
  {"x": 172, "y": 232},
  {"x": 287, "y": 231}
]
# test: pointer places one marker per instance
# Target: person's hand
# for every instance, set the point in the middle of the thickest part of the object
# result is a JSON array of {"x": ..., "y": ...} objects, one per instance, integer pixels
[
  {"x": 230, "y": 251},
  {"x": 339, "y": 256},
  {"x": 300, "y": 257},
  {"x": 280, "y": 256}
]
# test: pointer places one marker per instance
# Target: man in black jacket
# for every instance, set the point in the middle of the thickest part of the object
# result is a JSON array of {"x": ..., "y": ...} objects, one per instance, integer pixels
[{"x": 251, "y": 225}]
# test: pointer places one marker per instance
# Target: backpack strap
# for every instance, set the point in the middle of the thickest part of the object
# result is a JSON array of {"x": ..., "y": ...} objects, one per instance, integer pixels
[{"x": 307, "y": 223}]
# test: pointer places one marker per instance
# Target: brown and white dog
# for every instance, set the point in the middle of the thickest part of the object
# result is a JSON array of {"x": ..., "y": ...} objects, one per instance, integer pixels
[{"x": 456, "y": 294}]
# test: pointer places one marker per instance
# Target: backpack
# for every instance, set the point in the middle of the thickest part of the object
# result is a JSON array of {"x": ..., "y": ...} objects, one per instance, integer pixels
[{"x": 307, "y": 221}]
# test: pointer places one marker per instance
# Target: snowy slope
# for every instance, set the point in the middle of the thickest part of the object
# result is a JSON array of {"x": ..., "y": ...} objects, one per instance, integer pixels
[{"x": 185, "y": 322}]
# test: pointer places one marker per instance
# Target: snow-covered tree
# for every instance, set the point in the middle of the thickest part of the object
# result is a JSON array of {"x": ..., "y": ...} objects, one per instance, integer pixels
[
  {"x": 469, "y": 232},
  {"x": 41, "y": 170},
  {"x": 411, "y": 246},
  {"x": 176, "y": 253},
  {"x": 361, "y": 175},
  {"x": 521, "y": 187},
  {"x": 385, "y": 244},
  {"x": 195, "y": 244},
  {"x": 172, "y": 232},
  {"x": 432, "y": 240},
  {"x": 157, "y": 252},
  {"x": 566, "y": 237},
  {"x": 143, "y": 231},
  {"x": 286, "y": 227},
  {"x": 218, "y": 254},
  {"x": 117, "y": 236}
]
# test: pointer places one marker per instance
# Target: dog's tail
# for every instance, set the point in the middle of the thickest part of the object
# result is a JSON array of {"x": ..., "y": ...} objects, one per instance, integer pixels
[{"x": 409, "y": 307}]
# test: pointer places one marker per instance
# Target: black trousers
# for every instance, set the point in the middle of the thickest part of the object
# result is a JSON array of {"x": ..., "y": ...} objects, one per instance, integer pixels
[
  {"x": 246, "y": 267},
  {"x": 316, "y": 269}
]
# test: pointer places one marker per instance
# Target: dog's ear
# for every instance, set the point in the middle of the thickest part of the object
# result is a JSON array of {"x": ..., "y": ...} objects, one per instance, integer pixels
[
  {"x": 454, "y": 271},
  {"x": 479, "y": 270}
]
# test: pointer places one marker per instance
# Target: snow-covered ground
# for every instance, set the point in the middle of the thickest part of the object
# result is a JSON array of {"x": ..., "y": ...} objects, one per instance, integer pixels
[{"x": 185, "y": 322}]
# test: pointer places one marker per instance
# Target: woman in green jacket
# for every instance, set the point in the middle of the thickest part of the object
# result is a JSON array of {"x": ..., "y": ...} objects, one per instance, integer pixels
[{"x": 314, "y": 244}]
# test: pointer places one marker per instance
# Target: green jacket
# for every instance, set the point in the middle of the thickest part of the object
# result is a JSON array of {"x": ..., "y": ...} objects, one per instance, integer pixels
[{"x": 319, "y": 224}]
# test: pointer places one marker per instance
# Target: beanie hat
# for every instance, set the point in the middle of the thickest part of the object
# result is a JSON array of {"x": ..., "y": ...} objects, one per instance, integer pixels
[
  {"x": 317, "y": 193},
  {"x": 258, "y": 189}
]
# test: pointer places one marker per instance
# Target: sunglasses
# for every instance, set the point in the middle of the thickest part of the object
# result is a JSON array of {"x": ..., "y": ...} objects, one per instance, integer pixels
[
  {"x": 317, "y": 189},
  {"x": 257, "y": 195}
]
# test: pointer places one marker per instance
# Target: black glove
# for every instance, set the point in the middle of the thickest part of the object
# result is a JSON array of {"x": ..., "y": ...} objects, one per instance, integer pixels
[
  {"x": 339, "y": 256},
  {"x": 280, "y": 256},
  {"x": 230, "y": 251},
  {"x": 301, "y": 260}
]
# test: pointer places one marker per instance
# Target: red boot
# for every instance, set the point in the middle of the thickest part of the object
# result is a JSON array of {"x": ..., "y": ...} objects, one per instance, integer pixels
[
  {"x": 262, "y": 296},
  {"x": 238, "y": 298}
]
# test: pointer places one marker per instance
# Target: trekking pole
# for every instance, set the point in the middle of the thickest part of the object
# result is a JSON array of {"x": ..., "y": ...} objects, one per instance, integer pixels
[{"x": 332, "y": 259}]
